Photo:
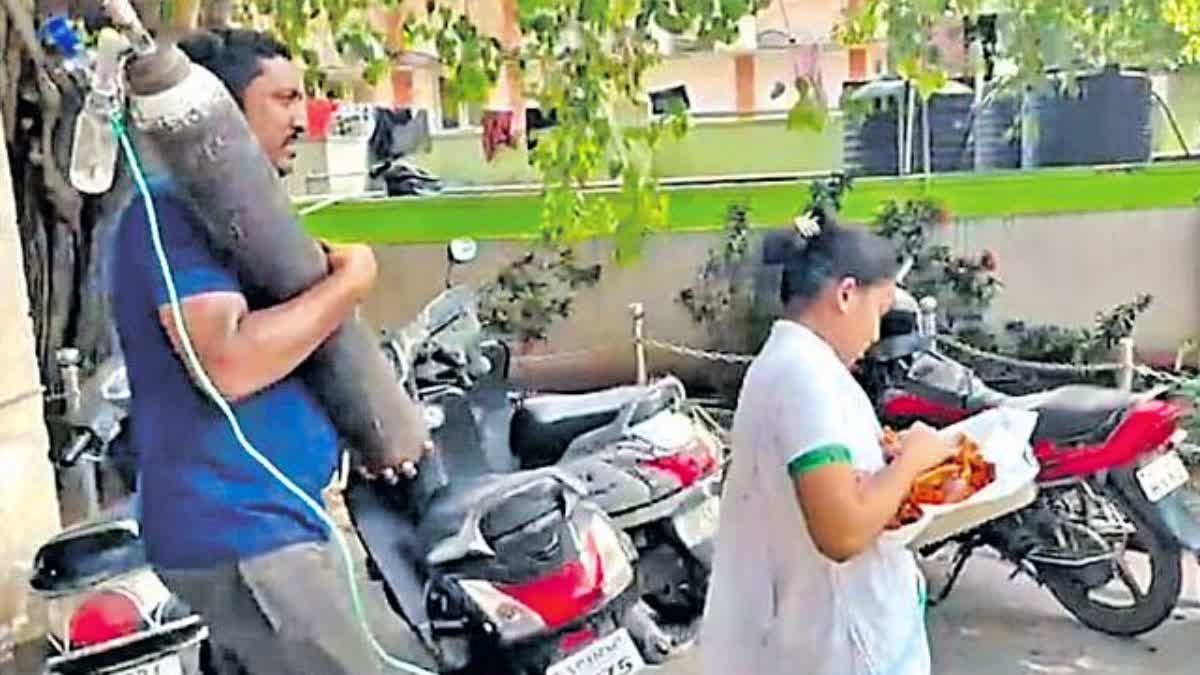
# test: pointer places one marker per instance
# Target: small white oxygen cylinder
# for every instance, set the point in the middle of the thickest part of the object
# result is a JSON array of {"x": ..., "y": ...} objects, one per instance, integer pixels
[{"x": 94, "y": 146}]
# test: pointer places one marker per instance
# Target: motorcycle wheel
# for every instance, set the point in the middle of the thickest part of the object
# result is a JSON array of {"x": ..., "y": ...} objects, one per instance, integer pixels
[{"x": 1151, "y": 606}]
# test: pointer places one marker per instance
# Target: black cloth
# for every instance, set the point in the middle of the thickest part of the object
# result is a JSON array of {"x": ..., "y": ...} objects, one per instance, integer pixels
[
  {"x": 399, "y": 132},
  {"x": 536, "y": 120},
  {"x": 660, "y": 101}
]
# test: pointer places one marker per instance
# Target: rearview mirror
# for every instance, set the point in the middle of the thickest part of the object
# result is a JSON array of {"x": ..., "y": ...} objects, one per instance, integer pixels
[{"x": 462, "y": 251}]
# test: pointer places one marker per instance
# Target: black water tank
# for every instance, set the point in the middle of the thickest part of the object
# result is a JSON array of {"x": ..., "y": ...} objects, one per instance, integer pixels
[
  {"x": 869, "y": 143},
  {"x": 997, "y": 134},
  {"x": 949, "y": 117},
  {"x": 1107, "y": 122}
]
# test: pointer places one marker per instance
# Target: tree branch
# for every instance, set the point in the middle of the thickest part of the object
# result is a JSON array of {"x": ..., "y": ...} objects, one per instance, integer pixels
[
  {"x": 64, "y": 197},
  {"x": 22, "y": 22}
]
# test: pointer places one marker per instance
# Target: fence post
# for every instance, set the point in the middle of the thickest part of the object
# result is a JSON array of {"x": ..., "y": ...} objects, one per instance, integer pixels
[
  {"x": 639, "y": 341},
  {"x": 1125, "y": 375}
]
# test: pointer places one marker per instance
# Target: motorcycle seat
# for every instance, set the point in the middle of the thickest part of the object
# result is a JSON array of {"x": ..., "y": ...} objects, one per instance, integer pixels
[
  {"x": 527, "y": 497},
  {"x": 544, "y": 425},
  {"x": 1074, "y": 412},
  {"x": 86, "y": 555}
]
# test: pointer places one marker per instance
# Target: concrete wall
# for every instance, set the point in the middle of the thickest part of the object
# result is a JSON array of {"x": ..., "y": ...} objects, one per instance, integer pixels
[
  {"x": 1056, "y": 269},
  {"x": 28, "y": 503},
  {"x": 1065, "y": 269}
]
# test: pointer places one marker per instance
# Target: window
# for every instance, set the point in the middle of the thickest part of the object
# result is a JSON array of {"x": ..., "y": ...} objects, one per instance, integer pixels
[
  {"x": 668, "y": 101},
  {"x": 457, "y": 114}
]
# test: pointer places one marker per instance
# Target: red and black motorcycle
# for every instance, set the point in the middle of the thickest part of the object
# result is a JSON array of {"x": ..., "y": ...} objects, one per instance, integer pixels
[{"x": 1107, "y": 457}]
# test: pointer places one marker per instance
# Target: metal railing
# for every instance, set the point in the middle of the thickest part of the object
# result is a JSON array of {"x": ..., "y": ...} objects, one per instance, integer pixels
[{"x": 1126, "y": 369}]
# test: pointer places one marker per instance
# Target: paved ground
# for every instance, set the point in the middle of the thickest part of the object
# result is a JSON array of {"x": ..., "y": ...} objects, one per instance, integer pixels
[{"x": 990, "y": 625}]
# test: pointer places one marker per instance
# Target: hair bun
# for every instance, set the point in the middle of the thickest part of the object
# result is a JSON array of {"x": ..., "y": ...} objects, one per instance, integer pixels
[{"x": 825, "y": 216}]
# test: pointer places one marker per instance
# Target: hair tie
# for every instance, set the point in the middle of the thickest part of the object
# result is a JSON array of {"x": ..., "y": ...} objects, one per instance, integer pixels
[{"x": 807, "y": 225}]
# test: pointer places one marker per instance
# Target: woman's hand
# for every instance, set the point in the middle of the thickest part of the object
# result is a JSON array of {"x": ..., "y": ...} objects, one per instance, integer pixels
[
  {"x": 921, "y": 448},
  {"x": 845, "y": 512}
]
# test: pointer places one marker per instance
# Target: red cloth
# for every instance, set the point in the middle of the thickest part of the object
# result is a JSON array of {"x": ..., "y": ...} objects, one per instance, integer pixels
[
  {"x": 497, "y": 131},
  {"x": 320, "y": 116}
]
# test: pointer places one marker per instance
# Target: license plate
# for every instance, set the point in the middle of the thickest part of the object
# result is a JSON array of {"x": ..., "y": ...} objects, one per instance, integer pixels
[
  {"x": 613, "y": 655},
  {"x": 1162, "y": 476},
  {"x": 169, "y": 665},
  {"x": 698, "y": 524}
]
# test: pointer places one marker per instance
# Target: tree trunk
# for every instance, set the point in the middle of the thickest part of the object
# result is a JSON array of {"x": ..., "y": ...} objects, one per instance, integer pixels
[
  {"x": 59, "y": 228},
  {"x": 60, "y": 231}
]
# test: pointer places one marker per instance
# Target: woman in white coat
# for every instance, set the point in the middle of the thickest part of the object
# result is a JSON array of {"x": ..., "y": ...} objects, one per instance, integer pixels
[{"x": 803, "y": 583}]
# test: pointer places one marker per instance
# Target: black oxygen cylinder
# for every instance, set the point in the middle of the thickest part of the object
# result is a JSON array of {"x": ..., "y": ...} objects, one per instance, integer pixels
[{"x": 203, "y": 141}]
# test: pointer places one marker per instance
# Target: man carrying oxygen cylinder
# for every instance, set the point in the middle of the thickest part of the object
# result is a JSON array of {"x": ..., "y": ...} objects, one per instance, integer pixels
[{"x": 226, "y": 535}]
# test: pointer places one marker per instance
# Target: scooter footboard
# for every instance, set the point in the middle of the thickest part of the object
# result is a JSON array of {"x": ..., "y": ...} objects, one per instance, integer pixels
[{"x": 393, "y": 547}]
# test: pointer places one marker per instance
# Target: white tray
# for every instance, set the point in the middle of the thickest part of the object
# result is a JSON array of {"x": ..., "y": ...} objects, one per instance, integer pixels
[
  {"x": 949, "y": 524},
  {"x": 1003, "y": 437}
]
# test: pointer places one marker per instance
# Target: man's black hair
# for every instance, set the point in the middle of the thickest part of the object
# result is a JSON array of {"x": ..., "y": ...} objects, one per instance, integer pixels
[
  {"x": 234, "y": 55},
  {"x": 811, "y": 264}
]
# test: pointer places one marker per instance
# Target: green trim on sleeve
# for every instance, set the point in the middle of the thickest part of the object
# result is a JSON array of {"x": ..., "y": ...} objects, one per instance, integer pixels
[{"x": 834, "y": 453}]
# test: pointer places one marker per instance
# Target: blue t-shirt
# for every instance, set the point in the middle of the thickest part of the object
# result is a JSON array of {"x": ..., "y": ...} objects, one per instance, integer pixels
[{"x": 204, "y": 501}]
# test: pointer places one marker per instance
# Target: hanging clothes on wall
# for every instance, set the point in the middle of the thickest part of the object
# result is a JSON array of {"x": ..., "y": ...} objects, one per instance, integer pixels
[
  {"x": 400, "y": 132},
  {"x": 806, "y": 65},
  {"x": 497, "y": 131},
  {"x": 319, "y": 113}
]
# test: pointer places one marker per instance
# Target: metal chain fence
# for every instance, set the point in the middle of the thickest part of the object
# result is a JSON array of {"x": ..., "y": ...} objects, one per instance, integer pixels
[
  {"x": 1080, "y": 370},
  {"x": 701, "y": 354}
]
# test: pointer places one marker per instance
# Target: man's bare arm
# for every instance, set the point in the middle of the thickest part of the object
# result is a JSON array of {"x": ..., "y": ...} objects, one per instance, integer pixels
[{"x": 243, "y": 351}]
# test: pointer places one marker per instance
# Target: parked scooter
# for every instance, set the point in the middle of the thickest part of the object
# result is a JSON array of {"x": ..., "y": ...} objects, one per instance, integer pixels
[
  {"x": 108, "y": 611},
  {"x": 1107, "y": 457},
  {"x": 654, "y": 462},
  {"x": 495, "y": 570}
]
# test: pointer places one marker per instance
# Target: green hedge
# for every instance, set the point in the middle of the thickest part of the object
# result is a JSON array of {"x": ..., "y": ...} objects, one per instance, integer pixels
[{"x": 968, "y": 196}]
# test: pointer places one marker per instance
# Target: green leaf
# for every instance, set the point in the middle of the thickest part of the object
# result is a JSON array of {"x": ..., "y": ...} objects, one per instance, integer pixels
[
  {"x": 805, "y": 115},
  {"x": 376, "y": 70},
  {"x": 593, "y": 12}
]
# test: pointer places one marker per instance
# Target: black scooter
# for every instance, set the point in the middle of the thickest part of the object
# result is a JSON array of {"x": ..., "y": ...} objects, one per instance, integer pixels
[{"x": 496, "y": 570}]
